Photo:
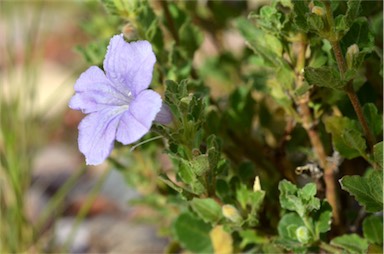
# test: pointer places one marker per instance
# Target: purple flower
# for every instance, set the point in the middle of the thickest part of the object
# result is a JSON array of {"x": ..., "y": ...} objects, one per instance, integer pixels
[{"x": 118, "y": 103}]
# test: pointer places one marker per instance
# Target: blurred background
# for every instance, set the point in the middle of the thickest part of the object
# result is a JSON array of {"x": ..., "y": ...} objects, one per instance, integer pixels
[{"x": 51, "y": 202}]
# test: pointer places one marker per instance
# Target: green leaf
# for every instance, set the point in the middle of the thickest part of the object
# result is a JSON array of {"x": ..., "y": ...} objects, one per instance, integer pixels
[
  {"x": 360, "y": 34},
  {"x": 318, "y": 59},
  {"x": 341, "y": 25},
  {"x": 368, "y": 189},
  {"x": 196, "y": 109},
  {"x": 114, "y": 7},
  {"x": 303, "y": 234},
  {"x": 351, "y": 243},
  {"x": 286, "y": 228},
  {"x": 373, "y": 229},
  {"x": 192, "y": 233},
  {"x": 262, "y": 43},
  {"x": 269, "y": 19},
  {"x": 173, "y": 94},
  {"x": 308, "y": 191},
  {"x": 223, "y": 191},
  {"x": 324, "y": 77},
  {"x": 255, "y": 201},
  {"x": 240, "y": 114},
  {"x": 165, "y": 179},
  {"x": 289, "y": 199},
  {"x": 300, "y": 11},
  {"x": 374, "y": 119},
  {"x": 354, "y": 140},
  {"x": 302, "y": 89},
  {"x": 250, "y": 236},
  {"x": 188, "y": 175},
  {"x": 323, "y": 218},
  {"x": 94, "y": 52},
  {"x": 277, "y": 91},
  {"x": 302, "y": 201},
  {"x": 242, "y": 195},
  {"x": 200, "y": 164},
  {"x": 247, "y": 197},
  {"x": 286, "y": 77},
  {"x": 155, "y": 35},
  {"x": 190, "y": 38},
  {"x": 185, "y": 172},
  {"x": 142, "y": 14},
  {"x": 347, "y": 138},
  {"x": 207, "y": 209},
  {"x": 307, "y": 195},
  {"x": 315, "y": 22},
  {"x": 288, "y": 224},
  {"x": 213, "y": 151},
  {"x": 378, "y": 153},
  {"x": 353, "y": 11}
]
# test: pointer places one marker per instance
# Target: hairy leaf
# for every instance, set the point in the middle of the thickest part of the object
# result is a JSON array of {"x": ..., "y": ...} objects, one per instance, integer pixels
[
  {"x": 351, "y": 243},
  {"x": 323, "y": 218},
  {"x": 368, "y": 189},
  {"x": 378, "y": 153},
  {"x": 301, "y": 201},
  {"x": 287, "y": 227},
  {"x": 192, "y": 233},
  {"x": 348, "y": 139},
  {"x": 353, "y": 11},
  {"x": 373, "y": 229},
  {"x": 324, "y": 76},
  {"x": 374, "y": 119},
  {"x": 300, "y": 10},
  {"x": 207, "y": 209},
  {"x": 263, "y": 44}
]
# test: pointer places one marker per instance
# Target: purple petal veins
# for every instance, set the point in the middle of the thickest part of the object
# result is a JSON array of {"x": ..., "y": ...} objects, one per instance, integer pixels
[{"x": 118, "y": 103}]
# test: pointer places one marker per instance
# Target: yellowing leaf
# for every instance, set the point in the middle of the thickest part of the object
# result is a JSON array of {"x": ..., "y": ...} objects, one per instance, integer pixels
[{"x": 221, "y": 240}]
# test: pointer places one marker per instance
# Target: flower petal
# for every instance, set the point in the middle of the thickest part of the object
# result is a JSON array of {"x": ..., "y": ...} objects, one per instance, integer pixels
[
  {"x": 137, "y": 121},
  {"x": 164, "y": 116},
  {"x": 97, "y": 133},
  {"x": 129, "y": 65},
  {"x": 94, "y": 91}
]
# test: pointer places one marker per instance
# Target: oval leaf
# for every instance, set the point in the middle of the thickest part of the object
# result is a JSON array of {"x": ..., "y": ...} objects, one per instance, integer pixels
[
  {"x": 368, "y": 190},
  {"x": 192, "y": 233}
]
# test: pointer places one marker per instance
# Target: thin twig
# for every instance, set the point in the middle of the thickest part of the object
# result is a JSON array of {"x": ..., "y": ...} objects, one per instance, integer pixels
[
  {"x": 308, "y": 124},
  {"x": 359, "y": 112}
]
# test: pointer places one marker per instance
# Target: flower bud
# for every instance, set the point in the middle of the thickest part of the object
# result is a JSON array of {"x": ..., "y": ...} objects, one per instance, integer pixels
[
  {"x": 302, "y": 234},
  {"x": 352, "y": 53},
  {"x": 311, "y": 5},
  {"x": 186, "y": 100},
  {"x": 231, "y": 213},
  {"x": 319, "y": 11},
  {"x": 129, "y": 32},
  {"x": 256, "y": 184}
]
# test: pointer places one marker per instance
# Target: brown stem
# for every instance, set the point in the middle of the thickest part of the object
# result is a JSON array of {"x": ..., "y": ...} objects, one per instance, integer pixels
[
  {"x": 359, "y": 112},
  {"x": 342, "y": 65},
  {"x": 331, "y": 191}
]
